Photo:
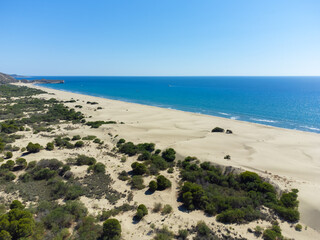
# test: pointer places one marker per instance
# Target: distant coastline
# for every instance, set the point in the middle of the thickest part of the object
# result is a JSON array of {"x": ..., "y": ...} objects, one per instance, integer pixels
[{"x": 289, "y": 102}]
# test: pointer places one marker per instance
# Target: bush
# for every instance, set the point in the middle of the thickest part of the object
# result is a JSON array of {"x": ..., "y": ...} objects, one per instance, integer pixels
[
  {"x": 153, "y": 186},
  {"x": 76, "y": 137},
  {"x": 163, "y": 183},
  {"x": 183, "y": 234},
  {"x": 8, "y": 165},
  {"x": 33, "y": 147},
  {"x": 124, "y": 176},
  {"x": 9, "y": 176},
  {"x": 274, "y": 233},
  {"x": 169, "y": 155},
  {"x": 298, "y": 227},
  {"x": 137, "y": 182},
  {"x": 217, "y": 129},
  {"x": 157, "y": 207},
  {"x": 141, "y": 211},
  {"x": 97, "y": 168},
  {"x": 138, "y": 168},
  {"x": 50, "y": 146},
  {"x": 128, "y": 148},
  {"x": 85, "y": 160},
  {"x": 79, "y": 144},
  {"x": 166, "y": 209},
  {"x": 22, "y": 163},
  {"x": 16, "y": 204},
  {"x": 111, "y": 229},
  {"x": 144, "y": 156},
  {"x": 202, "y": 229},
  {"x": 9, "y": 155}
]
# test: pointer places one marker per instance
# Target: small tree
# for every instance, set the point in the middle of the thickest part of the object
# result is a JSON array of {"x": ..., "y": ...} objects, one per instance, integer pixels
[
  {"x": 50, "y": 146},
  {"x": 153, "y": 186},
  {"x": 169, "y": 155},
  {"x": 111, "y": 229},
  {"x": 8, "y": 155},
  {"x": 33, "y": 147},
  {"x": 79, "y": 144},
  {"x": 141, "y": 211},
  {"x": 163, "y": 182}
]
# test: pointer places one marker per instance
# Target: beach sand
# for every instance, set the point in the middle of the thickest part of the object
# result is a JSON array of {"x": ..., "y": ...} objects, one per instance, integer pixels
[{"x": 288, "y": 158}]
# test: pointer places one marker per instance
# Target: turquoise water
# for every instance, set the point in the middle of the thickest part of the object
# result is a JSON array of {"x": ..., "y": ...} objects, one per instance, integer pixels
[{"x": 287, "y": 102}]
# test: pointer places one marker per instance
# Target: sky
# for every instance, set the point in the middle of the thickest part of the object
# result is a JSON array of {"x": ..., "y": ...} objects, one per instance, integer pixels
[{"x": 160, "y": 38}]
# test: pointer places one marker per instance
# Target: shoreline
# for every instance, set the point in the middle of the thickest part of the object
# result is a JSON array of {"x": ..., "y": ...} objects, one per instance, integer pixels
[
  {"x": 169, "y": 108},
  {"x": 290, "y": 158}
]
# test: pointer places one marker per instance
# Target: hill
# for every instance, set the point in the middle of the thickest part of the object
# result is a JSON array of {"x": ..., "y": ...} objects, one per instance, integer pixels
[{"x": 5, "y": 78}]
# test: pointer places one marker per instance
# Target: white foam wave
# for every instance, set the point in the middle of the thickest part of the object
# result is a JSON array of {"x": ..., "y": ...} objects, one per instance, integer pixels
[
  {"x": 235, "y": 117},
  {"x": 263, "y": 120},
  {"x": 311, "y": 128},
  {"x": 222, "y": 113}
]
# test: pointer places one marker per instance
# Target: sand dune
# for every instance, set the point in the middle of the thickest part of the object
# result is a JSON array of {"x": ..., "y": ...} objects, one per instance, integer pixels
[{"x": 289, "y": 158}]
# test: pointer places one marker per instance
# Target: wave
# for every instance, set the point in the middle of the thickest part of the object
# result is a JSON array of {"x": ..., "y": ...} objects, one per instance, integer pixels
[
  {"x": 235, "y": 117},
  {"x": 226, "y": 114},
  {"x": 311, "y": 128},
  {"x": 263, "y": 120}
]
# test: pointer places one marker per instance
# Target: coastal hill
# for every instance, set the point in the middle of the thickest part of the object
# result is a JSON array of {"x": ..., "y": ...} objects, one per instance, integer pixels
[{"x": 5, "y": 78}]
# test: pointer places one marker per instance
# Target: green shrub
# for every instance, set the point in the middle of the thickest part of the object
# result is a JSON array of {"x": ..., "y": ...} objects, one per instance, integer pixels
[
  {"x": 298, "y": 227},
  {"x": 141, "y": 211},
  {"x": 202, "y": 229},
  {"x": 138, "y": 168},
  {"x": 9, "y": 176},
  {"x": 169, "y": 155},
  {"x": 73, "y": 192},
  {"x": 33, "y": 147},
  {"x": 50, "y": 146},
  {"x": 111, "y": 229},
  {"x": 137, "y": 182},
  {"x": 273, "y": 233},
  {"x": 153, "y": 186},
  {"x": 124, "y": 176},
  {"x": 9, "y": 155},
  {"x": 144, "y": 156},
  {"x": 79, "y": 144},
  {"x": 97, "y": 168},
  {"x": 85, "y": 160},
  {"x": 166, "y": 209},
  {"x": 163, "y": 183},
  {"x": 76, "y": 137},
  {"x": 21, "y": 163},
  {"x": 217, "y": 129},
  {"x": 89, "y": 137},
  {"x": 183, "y": 234},
  {"x": 128, "y": 148},
  {"x": 16, "y": 204},
  {"x": 157, "y": 207}
]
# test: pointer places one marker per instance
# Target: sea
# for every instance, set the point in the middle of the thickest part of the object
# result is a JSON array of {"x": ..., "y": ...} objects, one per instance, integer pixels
[{"x": 286, "y": 102}]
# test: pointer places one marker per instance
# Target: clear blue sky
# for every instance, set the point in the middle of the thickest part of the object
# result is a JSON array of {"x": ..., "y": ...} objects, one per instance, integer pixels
[{"x": 160, "y": 37}]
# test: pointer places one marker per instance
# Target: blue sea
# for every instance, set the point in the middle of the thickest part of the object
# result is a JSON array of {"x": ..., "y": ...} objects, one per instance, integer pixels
[{"x": 287, "y": 102}]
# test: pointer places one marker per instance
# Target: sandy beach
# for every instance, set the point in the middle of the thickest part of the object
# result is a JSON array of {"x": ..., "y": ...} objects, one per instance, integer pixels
[{"x": 288, "y": 158}]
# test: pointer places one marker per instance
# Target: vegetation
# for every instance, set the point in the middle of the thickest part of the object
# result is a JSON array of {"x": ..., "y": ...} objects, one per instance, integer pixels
[
  {"x": 273, "y": 233},
  {"x": 235, "y": 198},
  {"x": 217, "y": 129},
  {"x": 141, "y": 212},
  {"x": 137, "y": 182},
  {"x": 33, "y": 147},
  {"x": 163, "y": 183},
  {"x": 17, "y": 223},
  {"x": 111, "y": 229},
  {"x": 97, "y": 124}
]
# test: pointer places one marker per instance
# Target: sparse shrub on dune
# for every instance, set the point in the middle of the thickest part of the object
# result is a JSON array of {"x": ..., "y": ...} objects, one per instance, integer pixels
[{"x": 217, "y": 129}]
